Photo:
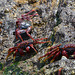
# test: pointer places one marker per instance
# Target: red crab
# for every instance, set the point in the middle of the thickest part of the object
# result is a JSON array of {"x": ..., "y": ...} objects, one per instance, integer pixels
[
  {"x": 24, "y": 25},
  {"x": 58, "y": 51},
  {"x": 24, "y": 46}
]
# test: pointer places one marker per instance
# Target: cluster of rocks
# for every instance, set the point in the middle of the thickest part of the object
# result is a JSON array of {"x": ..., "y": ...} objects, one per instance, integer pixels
[{"x": 56, "y": 17}]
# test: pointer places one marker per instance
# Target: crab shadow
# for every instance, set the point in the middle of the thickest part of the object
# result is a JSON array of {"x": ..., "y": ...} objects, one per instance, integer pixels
[
  {"x": 47, "y": 62},
  {"x": 25, "y": 57},
  {"x": 19, "y": 58}
]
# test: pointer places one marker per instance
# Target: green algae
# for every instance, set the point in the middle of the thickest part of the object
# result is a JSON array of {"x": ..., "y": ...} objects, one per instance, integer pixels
[
  {"x": 1, "y": 66},
  {"x": 13, "y": 69}
]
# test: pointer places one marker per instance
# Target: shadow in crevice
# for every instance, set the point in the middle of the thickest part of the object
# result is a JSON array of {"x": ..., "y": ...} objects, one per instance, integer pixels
[
  {"x": 39, "y": 65},
  {"x": 42, "y": 64}
]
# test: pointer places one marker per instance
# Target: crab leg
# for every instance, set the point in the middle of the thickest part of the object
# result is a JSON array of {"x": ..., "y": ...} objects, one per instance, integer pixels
[
  {"x": 31, "y": 45},
  {"x": 69, "y": 46},
  {"x": 20, "y": 51},
  {"x": 25, "y": 16},
  {"x": 18, "y": 33},
  {"x": 33, "y": 15},
  {"x": 48, "y": 53},
  {"x": 57, "y": 54},
  {"x": 42, "y": 42},
  {"x": 9, "y": 53},
  {"x": 38, "y": 42},
  {"x": 28, "y": 30},
  {"x": 20, "y": 36},
  {"x": 44, "y": 55},
  {"x": 54, "y": 47},
  {"x": 27, "y": 13},
  {"x": 13, "y": 48},
  {"x": 51, "y": 55},
  {"x": 15, "y": 54},
  {"x": 41, "y": 38},
  {"x": 22, "y": 43}
]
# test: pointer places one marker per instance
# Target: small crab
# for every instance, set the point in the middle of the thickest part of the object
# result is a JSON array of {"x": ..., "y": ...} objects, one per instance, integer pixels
[
  {"x": 56, "y": 52},
  {"x": 23, "y": 25},
  {"x": 25, "y": 46}
]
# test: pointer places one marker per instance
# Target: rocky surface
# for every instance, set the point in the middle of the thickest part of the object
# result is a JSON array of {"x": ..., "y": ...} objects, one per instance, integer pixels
[{"x": 56, "y": 21}]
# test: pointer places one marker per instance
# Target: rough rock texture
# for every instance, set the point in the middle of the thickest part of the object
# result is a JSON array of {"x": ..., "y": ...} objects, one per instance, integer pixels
[{"x": 56, "y": 17}]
